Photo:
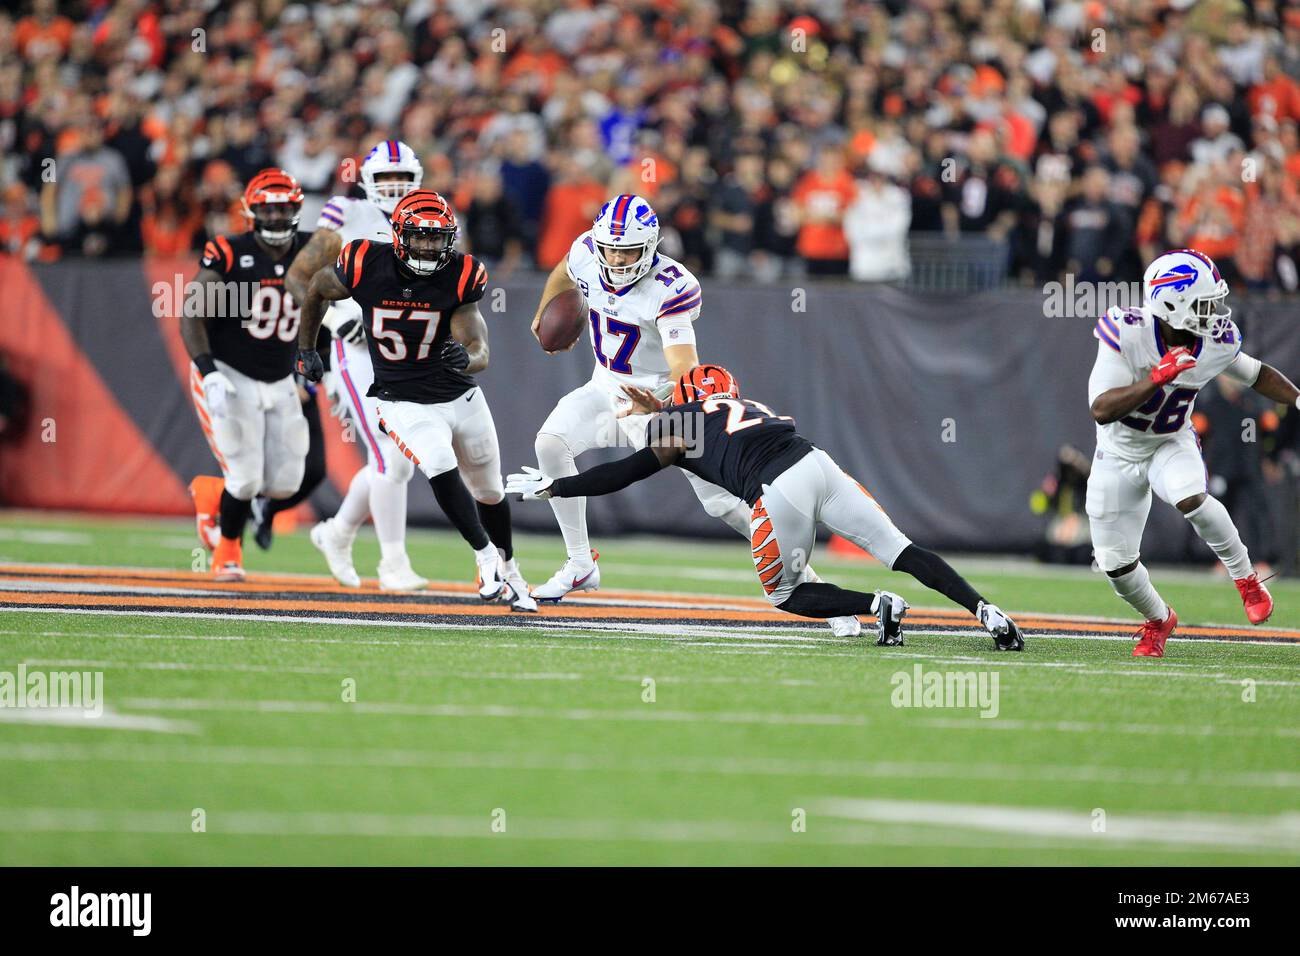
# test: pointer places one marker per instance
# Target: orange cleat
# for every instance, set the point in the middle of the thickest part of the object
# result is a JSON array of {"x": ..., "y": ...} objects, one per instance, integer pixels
[
  {"x": 1258, "y": 602},
  {"x": 206, "y": 492},
  {"x": 1152, "y": 637},
  {"x": 228, "y": 560}
]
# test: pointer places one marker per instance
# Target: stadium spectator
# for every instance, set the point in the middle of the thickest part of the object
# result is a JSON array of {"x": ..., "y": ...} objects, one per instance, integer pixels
[
  {"x": 972, "y": 107},
  {"x": 876, "y": 224},
  {"x": 492, "y": 224}
]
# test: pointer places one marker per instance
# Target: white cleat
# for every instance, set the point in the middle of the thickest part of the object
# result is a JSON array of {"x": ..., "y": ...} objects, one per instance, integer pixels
[
  {"x": 570, "y": 578},
  {"x": 397, "y": 575},
  {"x": 337, "y": 548},
  {"x": 845, "y": 626},
  {"x": 491, "y": 573},
  {"x": 516, "y": 590}
]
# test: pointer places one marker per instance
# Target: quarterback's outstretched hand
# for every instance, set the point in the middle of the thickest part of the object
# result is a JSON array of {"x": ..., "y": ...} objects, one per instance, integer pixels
[
  {"x": 644, "y": 401},
  {"x": 217, "y": 390},
  {"x": 309, "y": 365},
  {"x": 1172, "y": 364},
  {"x": 531, "y": 484}
]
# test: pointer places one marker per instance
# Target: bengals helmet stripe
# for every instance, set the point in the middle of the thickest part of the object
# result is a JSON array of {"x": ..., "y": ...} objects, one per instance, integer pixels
[
  {"x": 702, "y": 381},
  {"x": 420, "y": 210},
  {"x": 271, "y": 185}
]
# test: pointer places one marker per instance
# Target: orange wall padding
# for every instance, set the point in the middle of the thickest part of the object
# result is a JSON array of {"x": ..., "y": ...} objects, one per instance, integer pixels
[{"x": 97, "y": 460}]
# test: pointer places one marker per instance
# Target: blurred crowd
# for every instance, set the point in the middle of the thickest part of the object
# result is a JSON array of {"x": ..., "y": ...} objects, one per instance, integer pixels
[{"x": 775, "y": 137}]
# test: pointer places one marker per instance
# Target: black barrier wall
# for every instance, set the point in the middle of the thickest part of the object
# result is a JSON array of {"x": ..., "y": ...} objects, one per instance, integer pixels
[{"x": 949, "y": 410}]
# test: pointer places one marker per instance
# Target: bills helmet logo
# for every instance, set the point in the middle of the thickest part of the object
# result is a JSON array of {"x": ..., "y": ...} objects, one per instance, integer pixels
[{"x": 1179, "y": 278}]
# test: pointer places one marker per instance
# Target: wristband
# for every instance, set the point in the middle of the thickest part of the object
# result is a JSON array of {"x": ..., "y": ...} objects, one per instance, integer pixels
[
  {"x": 205, "y": 364},
  {"x": 1297, "y": 401}
]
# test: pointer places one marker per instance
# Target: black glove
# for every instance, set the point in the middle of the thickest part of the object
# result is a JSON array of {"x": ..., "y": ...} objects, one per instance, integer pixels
[
  {"x": 454, "y": 355},
  {"x": 351, "y": 332},
  {"x": 309, "y": 365}
]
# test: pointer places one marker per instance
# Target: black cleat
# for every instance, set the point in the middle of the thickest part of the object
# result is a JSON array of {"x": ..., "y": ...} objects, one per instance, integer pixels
[
  {"x": 890, "y": 610},
  {"x": 262, "y": 521},
  {"x": 1006, "y": 635}
]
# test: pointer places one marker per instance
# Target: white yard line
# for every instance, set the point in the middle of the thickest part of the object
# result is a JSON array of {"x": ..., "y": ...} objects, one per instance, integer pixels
[
  {"x": 346, "y": 825},
  {"x": 109, "y": 719},
  {"x": 725, "y": 765},
  {"x": 1279, "y": 834}
]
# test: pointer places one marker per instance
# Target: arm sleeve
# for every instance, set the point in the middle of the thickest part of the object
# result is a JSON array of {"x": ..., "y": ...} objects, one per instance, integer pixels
[
  {"x": 608, "y": 478},
  {"x": 1244, "y": 369},
  {"x": 1109, "y": 371}
]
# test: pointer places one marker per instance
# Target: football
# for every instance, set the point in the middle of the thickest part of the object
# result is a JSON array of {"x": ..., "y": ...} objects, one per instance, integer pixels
[{"x": 562, "y": 321}]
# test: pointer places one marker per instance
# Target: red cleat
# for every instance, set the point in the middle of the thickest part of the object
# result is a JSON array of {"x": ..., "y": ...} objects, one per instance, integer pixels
[
  {"x": 1152, "y": 637},
  {"x": 1258, "y": 602}
]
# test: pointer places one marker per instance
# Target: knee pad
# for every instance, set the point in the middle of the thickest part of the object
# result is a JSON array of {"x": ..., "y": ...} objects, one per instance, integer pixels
[
  {"x": 554, "y": 456},
  {"x": 399, "y": 468},
  {"x": 245, "y": 487},
  {"x": 486, "y": 489},
  {"x": 286, "y": 468}
]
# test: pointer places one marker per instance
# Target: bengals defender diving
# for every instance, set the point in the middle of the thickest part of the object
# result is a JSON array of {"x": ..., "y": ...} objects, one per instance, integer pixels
[
  {"x": 419, "y": 307},
  {"x": 790, "y": 487},
  {"x": 642, "y": 307},
  {"x": 1151, "y": 364},
  {"x": 389, "y": 172},
  {"x": 241, "y": 379}
]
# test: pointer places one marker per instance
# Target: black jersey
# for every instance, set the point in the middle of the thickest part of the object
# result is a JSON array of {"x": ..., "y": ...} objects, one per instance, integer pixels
[
  {"x": 252, "y": 322},
  {"x": 407, "y": 318},
  {"x": 735, "y": 443}
]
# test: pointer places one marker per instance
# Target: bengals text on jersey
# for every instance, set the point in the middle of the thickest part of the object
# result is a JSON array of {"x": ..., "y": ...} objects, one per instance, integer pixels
[{"x": 408, "y": 319}]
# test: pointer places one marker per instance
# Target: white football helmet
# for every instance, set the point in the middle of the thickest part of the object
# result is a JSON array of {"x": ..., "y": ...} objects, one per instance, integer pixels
[
  {"x": 1184, "y": 288},
  {"x": 390, "y": 156},
  {"x": 625, "y": 222}
]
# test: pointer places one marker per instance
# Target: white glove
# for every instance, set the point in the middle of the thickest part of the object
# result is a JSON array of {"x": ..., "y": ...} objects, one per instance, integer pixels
[
  {"x": 531, "y": 484},
  {"x": 217, "y": 390}
]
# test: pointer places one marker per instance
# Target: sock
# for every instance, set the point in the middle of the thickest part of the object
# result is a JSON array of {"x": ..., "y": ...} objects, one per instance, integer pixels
[
  {"x": 555, "y": 458},
  {"x": 234, "y": 515},
  {"x": 1135, "y": 588},
  {"x": 826, "y": 600},
  {"x": 355, "y": 509},
  {"x": 388, "y": 509},
  {"x": 938, "y": 575},
  {"x": 496, "y": 522},
  {"x": 455, "y": 501},
  {"x": 1213, "y": 523}
]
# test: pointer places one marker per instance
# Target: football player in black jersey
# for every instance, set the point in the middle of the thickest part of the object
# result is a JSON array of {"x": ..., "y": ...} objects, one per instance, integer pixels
[
  {"x": 426, "y": 337},
  {"x": 242, "y": 343},
  {"x": 791, "y": 485}
]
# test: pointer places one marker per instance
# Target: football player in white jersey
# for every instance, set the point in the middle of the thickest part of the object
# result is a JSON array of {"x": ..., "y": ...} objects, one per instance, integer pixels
[
  {"x": 641, "y": 307},
  {"x": 389, "y": 171},
  {"x": 1151, "y": 363}
]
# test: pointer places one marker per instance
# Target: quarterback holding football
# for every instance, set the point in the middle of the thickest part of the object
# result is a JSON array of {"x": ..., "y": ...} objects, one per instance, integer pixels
[{"x": 638, "y": 307}]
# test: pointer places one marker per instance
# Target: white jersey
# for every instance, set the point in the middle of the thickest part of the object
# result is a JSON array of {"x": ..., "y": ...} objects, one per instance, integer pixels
[
  {"x": 629, "y": 327},
  {"x": 1129, "y": 345},
  {"x": 352, "y": 219}
]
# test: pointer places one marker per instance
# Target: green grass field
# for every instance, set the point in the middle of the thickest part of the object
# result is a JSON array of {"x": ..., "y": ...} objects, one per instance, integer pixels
[{"x": 491, "y": 745}]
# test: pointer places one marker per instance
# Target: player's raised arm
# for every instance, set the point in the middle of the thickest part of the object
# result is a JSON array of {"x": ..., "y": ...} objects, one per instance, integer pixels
[
  {"x": 325, "y": 287},
  {"x": 321, "y": 250},
  {"x": 469, "y": 330},
  {"x": 558, "y": 281}
]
